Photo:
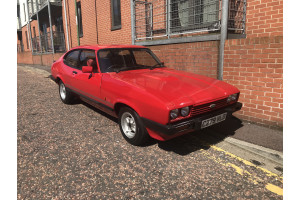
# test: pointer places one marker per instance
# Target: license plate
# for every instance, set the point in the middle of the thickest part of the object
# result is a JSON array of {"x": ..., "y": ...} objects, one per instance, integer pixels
[{"x": 213, "y": 120}]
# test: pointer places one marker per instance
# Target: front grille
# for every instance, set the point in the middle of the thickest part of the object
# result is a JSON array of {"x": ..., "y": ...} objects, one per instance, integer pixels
[{"x": 203, "y": 108}]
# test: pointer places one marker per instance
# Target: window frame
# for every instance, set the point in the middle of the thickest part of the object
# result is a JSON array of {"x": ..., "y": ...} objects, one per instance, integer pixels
[{"x": 114, "y": 26}]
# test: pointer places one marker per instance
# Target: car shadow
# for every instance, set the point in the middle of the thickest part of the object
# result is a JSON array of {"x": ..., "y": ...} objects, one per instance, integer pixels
[{"x": 203, "y": 139}]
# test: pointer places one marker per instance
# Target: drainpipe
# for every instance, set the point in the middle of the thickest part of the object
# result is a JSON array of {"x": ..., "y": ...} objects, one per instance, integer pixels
[
  {"x": 67, "y": 30},
  {"x": 132, "y": 21},
  {"x": 96, "y": 21},
  {"x": 224, "y": 24},
  {"x": 29, "y": 27},
  {"x": 78, "y": 40},
  {"x": 37, "y": 16},
  {"x": 50, "y": 23}
]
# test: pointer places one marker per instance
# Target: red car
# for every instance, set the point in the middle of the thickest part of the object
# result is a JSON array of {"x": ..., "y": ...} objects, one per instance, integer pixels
[{"x": 149, "y": 99}]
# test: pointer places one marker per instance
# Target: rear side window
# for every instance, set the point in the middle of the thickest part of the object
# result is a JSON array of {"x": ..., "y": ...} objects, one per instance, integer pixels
[{"x": 71, "y": 59}]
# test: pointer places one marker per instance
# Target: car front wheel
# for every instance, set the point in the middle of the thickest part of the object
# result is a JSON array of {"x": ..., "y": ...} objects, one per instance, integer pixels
[
  {"x": 132, "y": 127},
  {"x": 65, "y": 95}
]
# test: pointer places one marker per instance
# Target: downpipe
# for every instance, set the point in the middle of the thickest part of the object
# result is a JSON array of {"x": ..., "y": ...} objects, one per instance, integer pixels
[
  {"x": 223, "y": 37},
  {"x": 29, "y": 28},
  {"x": 67, "y": 30}
]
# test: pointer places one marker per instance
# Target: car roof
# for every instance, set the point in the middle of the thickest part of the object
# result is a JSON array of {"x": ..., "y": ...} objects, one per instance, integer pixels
[{"x": 97, "y": 47}]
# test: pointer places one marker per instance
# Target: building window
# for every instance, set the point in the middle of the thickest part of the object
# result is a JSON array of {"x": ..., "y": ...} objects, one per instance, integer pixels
[
  {"x": 34, "y": 33},
  {"x": 115, "y": 14},
  {"x": 26, "y": 39},
  {"x": 79, "y": 19},
  {"x": 189, "y": 15},
  {"x": 24, "y": 12}
]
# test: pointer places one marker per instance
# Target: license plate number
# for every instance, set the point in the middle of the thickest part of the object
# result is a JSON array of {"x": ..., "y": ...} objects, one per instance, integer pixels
[{"x": 213, "y": 120}]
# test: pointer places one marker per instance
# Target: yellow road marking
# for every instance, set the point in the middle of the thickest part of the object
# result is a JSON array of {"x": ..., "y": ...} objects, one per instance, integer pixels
[
  {"x": 254, "y": 179},
  {"x": 275, "y": 189},
  {"x": 268, "y": 173}
]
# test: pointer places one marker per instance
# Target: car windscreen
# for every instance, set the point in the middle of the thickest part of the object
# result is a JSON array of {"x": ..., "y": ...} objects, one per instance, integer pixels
[{"x": 116, "y": 60}]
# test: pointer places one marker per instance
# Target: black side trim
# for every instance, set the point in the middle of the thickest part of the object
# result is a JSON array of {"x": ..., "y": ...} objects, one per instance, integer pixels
[{"x": 92, "y": 100}]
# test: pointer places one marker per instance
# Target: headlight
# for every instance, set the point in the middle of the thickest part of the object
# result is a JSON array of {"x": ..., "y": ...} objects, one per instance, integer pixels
[
  {"x": 232, "y": 97},
  {"x": 174, "y": 113},
  {"x": 185, "y": 111}
]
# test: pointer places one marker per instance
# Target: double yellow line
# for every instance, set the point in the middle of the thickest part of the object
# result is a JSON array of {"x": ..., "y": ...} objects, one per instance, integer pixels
[{"x": 251, "y": 177}]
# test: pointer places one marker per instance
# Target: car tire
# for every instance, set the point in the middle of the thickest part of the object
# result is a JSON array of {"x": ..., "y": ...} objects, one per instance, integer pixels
[
  {"x": 65, "y": 95},
  {"x": 132, "y": 127}
]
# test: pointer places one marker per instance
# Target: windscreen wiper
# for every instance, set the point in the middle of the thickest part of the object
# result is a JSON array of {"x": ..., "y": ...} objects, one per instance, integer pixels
[{"x": 157, "y": 65}]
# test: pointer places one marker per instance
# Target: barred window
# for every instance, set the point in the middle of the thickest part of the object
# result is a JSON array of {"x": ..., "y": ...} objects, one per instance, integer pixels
[
  {"x": 194, "y": 14},
  {"x": 168, "y": 18}
]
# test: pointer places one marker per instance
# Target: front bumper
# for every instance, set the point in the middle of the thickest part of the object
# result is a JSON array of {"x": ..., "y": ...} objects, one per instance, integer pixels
[{"x": 190, "y": 124}]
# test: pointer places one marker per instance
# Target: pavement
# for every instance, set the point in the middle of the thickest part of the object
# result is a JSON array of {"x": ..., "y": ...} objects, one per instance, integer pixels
[{"x": 77, "y": 152}]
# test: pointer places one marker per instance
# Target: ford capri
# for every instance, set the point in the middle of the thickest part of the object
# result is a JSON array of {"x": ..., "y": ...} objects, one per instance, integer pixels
[{"x": 130, "y": 83}]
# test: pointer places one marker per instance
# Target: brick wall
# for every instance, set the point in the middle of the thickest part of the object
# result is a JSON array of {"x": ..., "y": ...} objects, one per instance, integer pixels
[
  {"x": 88, "y": 23},
  {"x": 106, "y": 36},
  {"x": 255, "y": 64},
  {"x": 264, "y": 18},
  {"x": 199, "y": 57},
  {"x": 24, "y": 57},
  {"x": 102, "y": 29},
  {"x": 25, "y": 38}
]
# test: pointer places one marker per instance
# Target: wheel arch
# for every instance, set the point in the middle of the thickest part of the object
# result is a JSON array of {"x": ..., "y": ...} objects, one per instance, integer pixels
[
  {"x": 118, "y": 105},
  {"x": 58, "y": 79}
]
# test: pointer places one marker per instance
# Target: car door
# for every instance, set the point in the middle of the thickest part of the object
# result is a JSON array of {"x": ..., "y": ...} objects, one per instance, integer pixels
[
  {"x": 70, "y": 68},
  {"x": 88, "y": 84}
]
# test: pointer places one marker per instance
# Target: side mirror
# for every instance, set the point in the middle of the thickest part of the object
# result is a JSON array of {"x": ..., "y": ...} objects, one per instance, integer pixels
[{"x": 87, "y": 69}]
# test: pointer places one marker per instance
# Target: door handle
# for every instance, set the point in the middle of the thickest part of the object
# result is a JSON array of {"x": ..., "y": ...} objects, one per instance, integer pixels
[{"x": 74, "y": 72}]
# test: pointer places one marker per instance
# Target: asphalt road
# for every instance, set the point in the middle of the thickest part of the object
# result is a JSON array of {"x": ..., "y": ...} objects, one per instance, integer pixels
[{"x": 77, "y": 152}]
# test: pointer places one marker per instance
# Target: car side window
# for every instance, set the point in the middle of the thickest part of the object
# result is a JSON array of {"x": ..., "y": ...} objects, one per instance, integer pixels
[
  {"x": 71, "y": 59},
  {"x": 88, "y": 58}
]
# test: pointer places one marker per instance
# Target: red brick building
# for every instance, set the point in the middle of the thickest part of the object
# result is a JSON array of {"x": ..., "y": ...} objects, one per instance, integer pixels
[{"x": 185, "y": 34}]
